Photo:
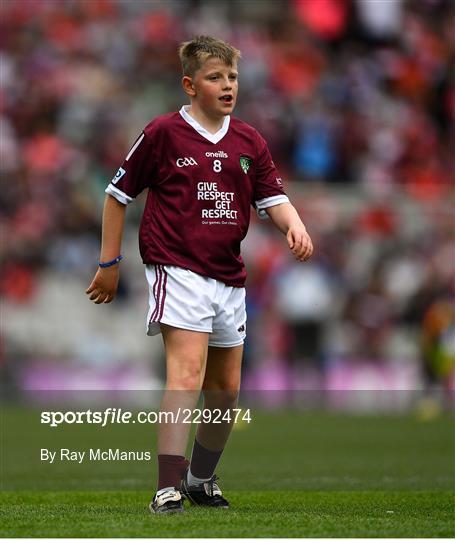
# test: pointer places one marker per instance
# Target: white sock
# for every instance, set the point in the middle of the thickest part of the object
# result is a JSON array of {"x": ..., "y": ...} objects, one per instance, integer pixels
[
  {"x": 194, "y": 480},
  {"x": 163, "y": 490}
]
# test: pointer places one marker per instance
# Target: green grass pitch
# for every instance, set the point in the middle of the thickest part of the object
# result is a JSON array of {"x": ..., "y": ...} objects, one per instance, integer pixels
[{"x": 287, "y": 474}]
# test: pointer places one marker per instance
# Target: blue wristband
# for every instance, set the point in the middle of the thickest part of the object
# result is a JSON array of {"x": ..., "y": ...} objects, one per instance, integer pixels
[{"x": 110, "y": 263}]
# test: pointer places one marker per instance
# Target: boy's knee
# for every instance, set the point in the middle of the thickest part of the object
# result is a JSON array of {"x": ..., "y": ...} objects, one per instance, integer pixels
[
  {"x": 230, "y": 398},
  {"x": 229, "y": 386},
  {"x": 221, "y": 398},
  {"x": 188, "y": 378}
]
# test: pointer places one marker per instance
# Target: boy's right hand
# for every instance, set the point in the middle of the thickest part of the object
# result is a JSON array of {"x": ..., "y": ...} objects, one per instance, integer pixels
[{"x": 104, "y": 285}]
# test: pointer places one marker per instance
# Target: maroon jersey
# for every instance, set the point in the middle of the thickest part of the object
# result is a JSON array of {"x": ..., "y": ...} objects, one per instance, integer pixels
[{"x": 201, "y": 187}]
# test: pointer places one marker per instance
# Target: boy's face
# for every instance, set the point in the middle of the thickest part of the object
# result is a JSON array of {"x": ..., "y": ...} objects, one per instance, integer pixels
[{"x": 214, "y": 87}]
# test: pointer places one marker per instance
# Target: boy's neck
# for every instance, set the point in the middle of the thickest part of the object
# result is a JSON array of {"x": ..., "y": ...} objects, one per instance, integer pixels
[{"x": 212, "y": 125}]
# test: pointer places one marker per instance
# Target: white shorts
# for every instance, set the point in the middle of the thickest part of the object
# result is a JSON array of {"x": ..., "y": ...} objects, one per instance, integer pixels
[{"x": 184, "y": 299}]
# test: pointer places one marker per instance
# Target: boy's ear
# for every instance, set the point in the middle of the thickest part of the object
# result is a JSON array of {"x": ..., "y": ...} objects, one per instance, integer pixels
[{"x": 188, "y": 86}]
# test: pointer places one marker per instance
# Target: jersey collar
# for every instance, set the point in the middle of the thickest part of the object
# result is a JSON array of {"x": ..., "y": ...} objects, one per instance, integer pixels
[{"x": 212, "y": 137}]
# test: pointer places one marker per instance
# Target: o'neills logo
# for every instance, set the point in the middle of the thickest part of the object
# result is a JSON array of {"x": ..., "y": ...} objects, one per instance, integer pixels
[{"x": 216, "y": 154}]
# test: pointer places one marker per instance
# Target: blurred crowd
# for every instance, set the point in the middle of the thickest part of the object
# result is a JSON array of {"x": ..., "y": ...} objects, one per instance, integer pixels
[{"x": 356, "y": 99}]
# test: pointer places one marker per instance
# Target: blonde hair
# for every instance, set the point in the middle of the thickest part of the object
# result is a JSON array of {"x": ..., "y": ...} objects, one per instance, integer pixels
[{"x": 195, "y": 52}]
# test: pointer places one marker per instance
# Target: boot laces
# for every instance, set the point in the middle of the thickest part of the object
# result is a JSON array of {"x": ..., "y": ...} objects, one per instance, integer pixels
[{"x": 212, "y": 488}]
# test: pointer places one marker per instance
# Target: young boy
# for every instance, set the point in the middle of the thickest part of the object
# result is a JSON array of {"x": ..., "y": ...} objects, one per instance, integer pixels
[{"x": 203, "y": 169}]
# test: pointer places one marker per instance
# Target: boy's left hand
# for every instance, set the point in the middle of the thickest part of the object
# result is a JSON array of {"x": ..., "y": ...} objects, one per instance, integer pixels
[{"x": 299, "y": 242}]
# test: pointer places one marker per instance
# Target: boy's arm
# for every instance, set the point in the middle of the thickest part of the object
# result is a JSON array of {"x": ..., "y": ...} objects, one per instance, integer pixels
[
  {"x": 103, "y": 287},
  {"x": 287, "y": 220}
]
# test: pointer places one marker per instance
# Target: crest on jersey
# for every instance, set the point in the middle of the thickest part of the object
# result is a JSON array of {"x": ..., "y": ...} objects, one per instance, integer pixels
[{"x": 245, "y": 163}]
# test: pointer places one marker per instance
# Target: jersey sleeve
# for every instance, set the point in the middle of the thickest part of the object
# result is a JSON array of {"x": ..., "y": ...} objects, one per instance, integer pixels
[
  {"x": 268, "y": 189},
  {"x": 136, "y": 172}
]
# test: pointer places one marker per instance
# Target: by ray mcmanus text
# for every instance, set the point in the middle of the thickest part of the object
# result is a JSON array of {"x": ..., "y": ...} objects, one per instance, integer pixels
[{"x": 92, "y": 454}]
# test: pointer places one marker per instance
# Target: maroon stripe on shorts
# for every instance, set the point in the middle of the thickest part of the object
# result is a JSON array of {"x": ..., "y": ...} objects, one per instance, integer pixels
[
  {"x": 164, "y": 295},
  {"x": 156, "y": 296}
]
